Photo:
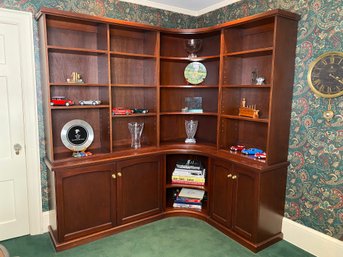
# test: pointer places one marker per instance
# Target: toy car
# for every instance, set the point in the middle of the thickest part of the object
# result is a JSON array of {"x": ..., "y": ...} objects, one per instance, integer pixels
[
  {"x": 121, "y": 111},
  {"x": 140, "y": 110},
  {"x": 60, "y": 100},
  {"x": 251, "y": 151},
  {"x": 260, "y": 155},
  {"x": 237, "y": 148},
  {"x": 89, "y": 102}
]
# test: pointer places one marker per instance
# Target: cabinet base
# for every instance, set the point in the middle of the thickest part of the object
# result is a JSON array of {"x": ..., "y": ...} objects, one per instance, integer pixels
[
  {"x": 251, "y": 246},
  {"x": 169, "y": 213},
  {"x": 98, "y": 235}
]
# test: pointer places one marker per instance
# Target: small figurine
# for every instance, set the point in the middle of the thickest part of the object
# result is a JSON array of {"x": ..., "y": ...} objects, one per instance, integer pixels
[
  {"x": 60, "y": 100},
  {"x": 75, "y": 78},
  {"x": 237, "y": 148},
  {"x": 253, "y": 76},
  {"x": 89, "y": 102},
  {"x": 143, "y": 111},
  {"x": 121, "y": 111},
  {"x": 260, "y": 80},
  {"x": 251, "y": 151},
  {"x": 81, "y": 154},
  {"x": 262, "y": 156},
  {"x": 244, "y": 102}
]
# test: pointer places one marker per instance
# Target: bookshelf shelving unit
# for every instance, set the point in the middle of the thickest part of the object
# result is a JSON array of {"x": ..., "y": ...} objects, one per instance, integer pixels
[{"x": 131, "y": 65}]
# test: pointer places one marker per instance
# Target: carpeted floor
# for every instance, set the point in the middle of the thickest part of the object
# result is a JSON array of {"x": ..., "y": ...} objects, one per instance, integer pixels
[{"x": 172, "y": 237}]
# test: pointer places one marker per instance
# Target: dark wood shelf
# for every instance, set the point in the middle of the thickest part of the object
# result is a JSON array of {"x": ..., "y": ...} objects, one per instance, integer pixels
[
  {"x": 236, "y": 117},
  {"x": 149, "y": 114},
  {"x": 75, "y": 50},
  {"x": 197, "y": 59},
  {"x": 133, "y": 85},
  {"x": 80, "y": 107},
  {"x": 78, "y": 84},
  {"x": 190, "y": 113},
  {"x": 253, "y": 52},
  {"x": 247, "y": 86},
  {"x": 132, "y": 55},
  {"x": 200, "y": 86}
]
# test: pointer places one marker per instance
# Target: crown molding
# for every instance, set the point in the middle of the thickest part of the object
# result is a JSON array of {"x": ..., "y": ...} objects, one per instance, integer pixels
[{"x": 182, "y": 10}]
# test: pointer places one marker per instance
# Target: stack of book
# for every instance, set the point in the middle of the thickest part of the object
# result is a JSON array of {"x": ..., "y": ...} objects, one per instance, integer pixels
[
  {"x": 189, "y": 172},
  {"x": 189, "y": 198}
]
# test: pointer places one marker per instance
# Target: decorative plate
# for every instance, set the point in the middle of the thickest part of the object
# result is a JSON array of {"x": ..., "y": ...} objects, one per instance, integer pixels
[
  {"x": 77, "y": 135},
  {"x": 195, "y": 73}
]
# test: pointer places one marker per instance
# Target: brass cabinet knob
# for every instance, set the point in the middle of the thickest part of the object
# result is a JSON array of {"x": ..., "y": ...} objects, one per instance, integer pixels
[
  {"x": 229, "y": 176},
  {"x": 119, "y": 174},
  {"x": 234, "y": 177},
  {"x": 114, "y": 176}
]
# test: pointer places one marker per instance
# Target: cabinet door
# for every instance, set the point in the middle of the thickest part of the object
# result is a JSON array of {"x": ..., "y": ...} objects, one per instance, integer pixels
[
  {"x": 84, "y": 200},
  {"x": 244, "y": 202},
  {"x": 222, "y": 188},
  {"x": 139, "y": 188}
]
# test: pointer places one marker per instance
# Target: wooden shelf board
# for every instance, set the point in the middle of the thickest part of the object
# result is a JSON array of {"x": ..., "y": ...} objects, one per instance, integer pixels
[
  {"x": 189, "y": 86},
  {"x": 133, "y": 85},
  {"x": 54, "y": 107},
  {"x": 190, "y": 113},
  {"x": 132, "y": 55},
  {"x": 76, "y": 50},
  {"x": 149, "y": 114},
  {"x": 78, "y": 84},
  {"x": 247, "y": 86},
  {"x": 253, "y": 52},
  {"x": 198, "y": 59},
  {"x": 236, "y": 117}
]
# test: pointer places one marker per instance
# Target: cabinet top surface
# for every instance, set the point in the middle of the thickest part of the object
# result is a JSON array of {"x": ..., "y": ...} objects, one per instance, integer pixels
[
  {"x": 100, "y": 19},
  {"x": 205, "y": 150}
]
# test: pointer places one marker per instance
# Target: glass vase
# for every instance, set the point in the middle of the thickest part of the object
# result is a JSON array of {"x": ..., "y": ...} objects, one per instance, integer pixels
[
  {"x": 191, "y": 128},
  {"x": 136, "y": 129}
]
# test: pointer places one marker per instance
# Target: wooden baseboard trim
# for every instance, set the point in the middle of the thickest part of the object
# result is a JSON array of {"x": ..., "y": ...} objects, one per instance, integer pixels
[{"x": 310, "y": 240}]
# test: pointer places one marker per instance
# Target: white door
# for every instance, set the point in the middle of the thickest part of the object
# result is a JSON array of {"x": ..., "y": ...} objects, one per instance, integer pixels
[{"x": 14, "y": 218}]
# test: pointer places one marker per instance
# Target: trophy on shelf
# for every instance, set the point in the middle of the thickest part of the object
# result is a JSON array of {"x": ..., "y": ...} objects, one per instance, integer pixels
[
  {"x": 192, "y": 46},
  {"x": 248, "y": 110},
  {"x": 75, "y": 78},
  {"x": 191, "y": 128}
]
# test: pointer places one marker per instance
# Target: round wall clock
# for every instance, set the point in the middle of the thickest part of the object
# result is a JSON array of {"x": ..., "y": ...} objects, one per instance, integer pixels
[
  {"x": 195, "y": 73},
  {"x": 77, "y": 135},
  {"x": 325, "y": 75}
]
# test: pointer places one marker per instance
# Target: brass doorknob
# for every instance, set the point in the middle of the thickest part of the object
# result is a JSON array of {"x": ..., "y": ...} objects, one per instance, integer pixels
[
  {"x": 17, "y": 148},
  {"x": 229, "y": 176},
  {"x": 114, "y": 176},
  {"x": 234, "y": 177},
  {"x": 119, "y": 174}
]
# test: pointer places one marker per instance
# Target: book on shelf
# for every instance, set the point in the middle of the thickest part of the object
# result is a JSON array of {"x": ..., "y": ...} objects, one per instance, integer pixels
[
  {"x": 188, "y": 206},
  {"x": 189, "y": 164},
  {"x": 180, "y": 199},
  {"x": 188, "y": 178},
  {"x": 192, "y": 193},
  {"x": 191, "y": 183},
  {"x": 186, "y": 172}
]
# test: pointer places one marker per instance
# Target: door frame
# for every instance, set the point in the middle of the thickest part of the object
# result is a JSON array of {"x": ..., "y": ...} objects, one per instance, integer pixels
[{"x": 27, "y": 67}]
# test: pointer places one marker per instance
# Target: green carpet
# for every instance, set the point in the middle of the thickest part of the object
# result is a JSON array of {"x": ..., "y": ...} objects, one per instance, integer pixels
[{"x": 172, "y": 237}]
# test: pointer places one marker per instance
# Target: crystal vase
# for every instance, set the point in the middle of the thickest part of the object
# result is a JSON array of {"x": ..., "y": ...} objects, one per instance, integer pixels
[
  {"x": 191, "y": 128},
  {"x": 136, "y": 129}
]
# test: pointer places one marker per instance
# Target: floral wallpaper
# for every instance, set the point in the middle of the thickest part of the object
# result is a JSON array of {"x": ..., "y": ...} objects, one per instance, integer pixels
[{"x": 315, "y": 179}]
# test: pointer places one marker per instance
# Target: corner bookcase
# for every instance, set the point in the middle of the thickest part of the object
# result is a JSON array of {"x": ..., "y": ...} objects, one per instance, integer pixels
[{"x": 137, "y": 66}]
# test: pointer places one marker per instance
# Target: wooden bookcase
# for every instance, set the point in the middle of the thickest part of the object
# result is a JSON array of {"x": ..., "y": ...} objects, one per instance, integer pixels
[{"x": 131, "y": 65}]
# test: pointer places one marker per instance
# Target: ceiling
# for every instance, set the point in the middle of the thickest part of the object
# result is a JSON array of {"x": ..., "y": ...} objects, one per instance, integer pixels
[{"x": 189, "y": 7}]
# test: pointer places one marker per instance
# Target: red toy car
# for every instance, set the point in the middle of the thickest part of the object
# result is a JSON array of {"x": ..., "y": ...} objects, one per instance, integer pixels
[
  {"x": 237, "y": 148},
  {"x": 260, "y": 156},
  {"x": 60, "y": 100},
  {"x": 121, "y": 111}
]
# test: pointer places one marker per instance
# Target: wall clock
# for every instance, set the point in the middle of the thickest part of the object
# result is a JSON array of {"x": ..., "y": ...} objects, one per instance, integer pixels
[{"x": 325, "y": 78}]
